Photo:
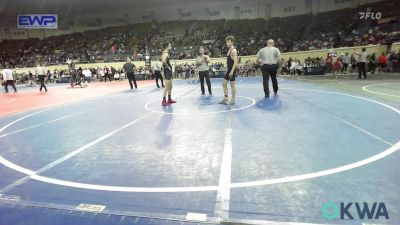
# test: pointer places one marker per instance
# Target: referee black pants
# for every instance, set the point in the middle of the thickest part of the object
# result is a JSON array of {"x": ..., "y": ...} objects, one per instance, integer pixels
[
  {"x": 41, "y": 80},
  {"x": 361, "y": 69},
  {"x": 206, "y": 75},
  {"x": 158, "y": 75},
  {"x": 11, "y": 83},
  {"x": 267, "y": 71}
]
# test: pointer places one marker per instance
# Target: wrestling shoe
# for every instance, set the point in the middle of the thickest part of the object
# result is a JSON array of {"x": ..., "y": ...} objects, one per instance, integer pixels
[
  {"x": 224, "y": 101},
  {"x": 170, "y": 101},
  {"x": 165, "y": 103}
]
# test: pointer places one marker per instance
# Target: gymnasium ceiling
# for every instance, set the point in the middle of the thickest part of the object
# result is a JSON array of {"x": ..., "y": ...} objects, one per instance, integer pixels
[{"x": 81, "y": 6}]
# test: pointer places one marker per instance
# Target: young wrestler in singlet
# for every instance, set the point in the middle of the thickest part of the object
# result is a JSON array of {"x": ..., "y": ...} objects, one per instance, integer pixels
[
  {"x": 167, "y": 75},
  {"x": 231, "y": 72}
]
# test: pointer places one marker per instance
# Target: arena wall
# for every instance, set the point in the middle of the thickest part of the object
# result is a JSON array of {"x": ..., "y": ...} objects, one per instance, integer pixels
[{"x": 396, "y": 47}]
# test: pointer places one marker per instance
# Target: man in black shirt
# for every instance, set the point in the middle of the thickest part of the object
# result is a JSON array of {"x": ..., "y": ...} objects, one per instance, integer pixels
[
  {"x": 72, "y": 72},
  {"x": 129, "y": 69},
  {"x": 113, "y": 72}
]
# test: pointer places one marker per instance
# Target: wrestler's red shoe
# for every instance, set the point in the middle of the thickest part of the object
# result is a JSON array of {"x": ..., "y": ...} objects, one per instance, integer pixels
[
  {"x": 165, "y": 103},
  {"x": 170, "y": 101}
]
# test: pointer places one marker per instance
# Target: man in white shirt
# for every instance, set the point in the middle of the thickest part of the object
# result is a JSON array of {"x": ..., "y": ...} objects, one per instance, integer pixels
[
  {"x": 293, "y": 67},
  {"x": 362, "y": 59},
  {"x": 87, "y": 74},
  {"x": 100, "y": 73},
  {"x": 41, "y": 73},
  {"x": 156, "y": 67},
  {"x": 269, "y": 57},
  {"x": 8, "y": 80},
  {"x": 202, "y": 62},
  {"x": 346, "y": 61}
]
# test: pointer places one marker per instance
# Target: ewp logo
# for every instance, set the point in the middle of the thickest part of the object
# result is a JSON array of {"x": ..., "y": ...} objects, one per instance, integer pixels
[
  {"x": 37, "y": 21},
  {"x": 331, "y": 210}
]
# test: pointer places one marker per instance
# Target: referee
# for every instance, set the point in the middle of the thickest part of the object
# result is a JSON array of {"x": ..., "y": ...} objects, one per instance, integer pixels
[
  {"x": 8, "y": 80},
  {"x": 41, "y": 73},
  {"x": 269, "y": 57}
]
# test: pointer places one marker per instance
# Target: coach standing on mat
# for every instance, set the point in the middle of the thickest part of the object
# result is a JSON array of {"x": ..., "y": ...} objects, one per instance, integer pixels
[
  {"x": 269, "y": 57},
  {"x": 129, "y": 69},
  {"x": 41, "y": 73},
  {"x": 202, "y": 65}
]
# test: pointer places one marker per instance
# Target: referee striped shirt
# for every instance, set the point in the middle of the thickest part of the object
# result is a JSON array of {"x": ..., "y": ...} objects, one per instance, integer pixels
[
  {"x": 40, "y": 71},
  {"x": 156, "y": 65},
  {"x": 269, "y": 55}
]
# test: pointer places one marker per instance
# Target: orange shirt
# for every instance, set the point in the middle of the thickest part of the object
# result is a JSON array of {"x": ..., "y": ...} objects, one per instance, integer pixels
[{"x": 382, "y": 59}]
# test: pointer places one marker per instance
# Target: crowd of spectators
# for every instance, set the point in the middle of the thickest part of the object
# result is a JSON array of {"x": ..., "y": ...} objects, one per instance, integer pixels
[
  {"x": 295, "y": 33},
  {"x": 384, "y": 63}
]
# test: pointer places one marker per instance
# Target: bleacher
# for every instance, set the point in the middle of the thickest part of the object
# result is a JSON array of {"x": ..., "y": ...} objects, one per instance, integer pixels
[{"x": 295, "y": 33}]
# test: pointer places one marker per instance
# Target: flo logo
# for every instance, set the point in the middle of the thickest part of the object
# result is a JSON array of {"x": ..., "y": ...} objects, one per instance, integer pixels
[
  {"x": 370, "y": 15},
  {"x": 332, "y": 210}
]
